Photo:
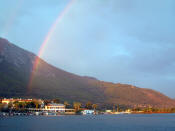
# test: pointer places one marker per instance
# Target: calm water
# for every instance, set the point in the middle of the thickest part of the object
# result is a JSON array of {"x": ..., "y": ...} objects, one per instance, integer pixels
[{"x": 153, "y": 122}]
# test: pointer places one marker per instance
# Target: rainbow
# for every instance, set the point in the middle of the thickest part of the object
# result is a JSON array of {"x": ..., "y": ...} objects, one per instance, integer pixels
[{"x": 46, "y": 40}]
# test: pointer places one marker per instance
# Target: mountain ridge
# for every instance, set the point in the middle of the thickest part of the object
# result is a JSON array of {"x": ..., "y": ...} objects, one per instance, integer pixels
[{"x": 16, "y": 66}]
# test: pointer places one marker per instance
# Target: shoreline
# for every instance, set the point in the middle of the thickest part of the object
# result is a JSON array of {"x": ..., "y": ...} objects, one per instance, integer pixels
[{"x": 5, "y": 114}]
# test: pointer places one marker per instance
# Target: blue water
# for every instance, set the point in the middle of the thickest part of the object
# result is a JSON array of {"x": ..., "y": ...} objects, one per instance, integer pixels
[{"x": 131, "y": 122}]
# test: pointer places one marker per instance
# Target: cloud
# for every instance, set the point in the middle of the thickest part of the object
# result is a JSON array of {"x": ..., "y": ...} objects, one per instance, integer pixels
[{"x": 119, "y": 41}]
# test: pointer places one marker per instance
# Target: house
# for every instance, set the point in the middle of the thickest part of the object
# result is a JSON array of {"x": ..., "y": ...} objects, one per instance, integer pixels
[
  {"x": 108, "y": 112},
  {"x": 88, "y": 112},
  {"x": 55, "y": 107}
]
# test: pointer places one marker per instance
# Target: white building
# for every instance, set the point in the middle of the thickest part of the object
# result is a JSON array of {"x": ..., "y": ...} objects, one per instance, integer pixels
[
  {"x": 55, "y": 107},
  {"x": 88, "y": 112}
]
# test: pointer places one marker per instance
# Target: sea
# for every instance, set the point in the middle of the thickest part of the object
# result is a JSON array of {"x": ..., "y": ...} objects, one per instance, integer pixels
[{"x": 120, "y": 122}]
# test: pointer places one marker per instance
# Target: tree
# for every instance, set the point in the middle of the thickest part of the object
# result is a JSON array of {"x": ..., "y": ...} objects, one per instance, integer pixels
[
  {"x": 2, "y": 106},
  {"x": 46, "y": 102},
  {"x": 77, "y": 106},
  {"x": 56, "y": 100},
  {"x": 23, "y": 104},
  {"x": 36, "y": 104},
  {"x": 66, "y": 104},
  {"x": 16, "y": 105},
  {"x": 32, "y": 104},
  {"x": 118, "y": 108},
  {"x": 10, "y": 105},
  {"x": 89, "y": 105},
  {"x": 94, "y": 106},
  {"x": 114, "y": 108}
]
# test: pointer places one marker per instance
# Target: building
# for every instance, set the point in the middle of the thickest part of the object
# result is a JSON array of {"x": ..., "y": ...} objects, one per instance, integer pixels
[
  {"x": 55, "y": 107},
  {"x": 11, "y": 100},
  {"x": 88, "y": 112},
  {"x": 108, "y": 112}
]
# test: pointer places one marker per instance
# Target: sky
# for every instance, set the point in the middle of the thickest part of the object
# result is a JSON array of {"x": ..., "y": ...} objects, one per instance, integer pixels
[{"x": 120, "y": 41}]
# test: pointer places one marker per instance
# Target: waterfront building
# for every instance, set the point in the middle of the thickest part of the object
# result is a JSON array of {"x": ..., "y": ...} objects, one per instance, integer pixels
[
  {"x": 108, "y": 111},
  {"x": 88, "y": 112},
  {"x": 55, "y": 107}
]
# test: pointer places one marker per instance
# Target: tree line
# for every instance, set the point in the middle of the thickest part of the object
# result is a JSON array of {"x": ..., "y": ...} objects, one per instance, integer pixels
[{"x": 24, "y": 106}]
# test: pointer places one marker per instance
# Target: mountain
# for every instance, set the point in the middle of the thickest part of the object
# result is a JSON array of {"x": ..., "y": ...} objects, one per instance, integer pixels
[{"x": 16, "y": 68}]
